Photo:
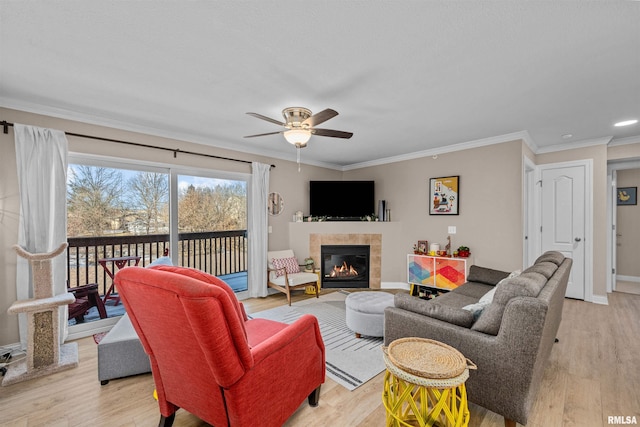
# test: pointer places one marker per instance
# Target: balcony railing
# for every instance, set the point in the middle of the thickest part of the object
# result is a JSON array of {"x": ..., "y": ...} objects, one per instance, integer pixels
[{"x": 217, "y": 253}]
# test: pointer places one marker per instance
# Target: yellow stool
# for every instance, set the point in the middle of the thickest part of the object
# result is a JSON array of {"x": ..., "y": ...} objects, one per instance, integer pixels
[
  {"x": 424, "y": 384},
  {"x": 310, "y": 290}
]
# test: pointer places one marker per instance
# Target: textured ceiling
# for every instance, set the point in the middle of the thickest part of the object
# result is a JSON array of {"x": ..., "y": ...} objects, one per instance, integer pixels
[{"x": 406, "y": 77}]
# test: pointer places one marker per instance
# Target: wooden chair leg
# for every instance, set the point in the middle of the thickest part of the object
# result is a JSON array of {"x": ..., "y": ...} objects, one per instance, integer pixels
[
  {"x": 317, "y": 290},
  {"x": 314, "y": 397}
]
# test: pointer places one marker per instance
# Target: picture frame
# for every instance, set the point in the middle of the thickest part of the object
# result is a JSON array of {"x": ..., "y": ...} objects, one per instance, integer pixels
[
  {"x": 627, "y": 196},
  {"x": 423, "y": 246},
  {"x": 444, "y": 195}
]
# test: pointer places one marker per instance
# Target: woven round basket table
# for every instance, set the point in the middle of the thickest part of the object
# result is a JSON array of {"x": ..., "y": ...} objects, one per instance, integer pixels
[{"x": 424, "y": 384}]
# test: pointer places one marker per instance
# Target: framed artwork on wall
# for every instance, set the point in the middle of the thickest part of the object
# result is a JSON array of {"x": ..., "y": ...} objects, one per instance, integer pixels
[
  {"x": 444, "y": 195},
  {"x": 627, "y": 196}
]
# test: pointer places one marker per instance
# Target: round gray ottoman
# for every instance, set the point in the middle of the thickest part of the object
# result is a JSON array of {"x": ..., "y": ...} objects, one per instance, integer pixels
[{"x": 365, "y": 312}]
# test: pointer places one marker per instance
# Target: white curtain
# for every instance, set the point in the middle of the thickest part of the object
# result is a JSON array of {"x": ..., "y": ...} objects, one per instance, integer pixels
[
  {"x": 258, "y": 230},
  {"x": 41, "y": 157}
]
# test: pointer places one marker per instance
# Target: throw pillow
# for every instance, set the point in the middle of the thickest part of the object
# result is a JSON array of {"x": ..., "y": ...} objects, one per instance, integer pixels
[
  {"x": 476, "y": 309},
  {"x": 163, "y": 260},
  {"x": 289, "y": 264},
  {"x": 487, "y": 298},
  {"x": 528, "y": 285}
]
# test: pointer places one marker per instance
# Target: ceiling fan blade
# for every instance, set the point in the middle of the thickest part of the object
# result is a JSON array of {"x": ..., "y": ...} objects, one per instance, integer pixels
[
  {"x": 263, "y": 134},
  {"x": 269, "y": 119},
  {"x": 332, "y": 133},
  {"x": 320, "y": 117}
]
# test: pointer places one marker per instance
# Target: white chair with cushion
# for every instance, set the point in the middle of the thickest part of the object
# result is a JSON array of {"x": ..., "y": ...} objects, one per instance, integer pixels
[{"x": 284, "y": 273}]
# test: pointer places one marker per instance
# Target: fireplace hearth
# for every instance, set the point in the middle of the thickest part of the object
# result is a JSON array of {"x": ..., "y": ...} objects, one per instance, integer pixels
[{"x": 344, "y": 266}]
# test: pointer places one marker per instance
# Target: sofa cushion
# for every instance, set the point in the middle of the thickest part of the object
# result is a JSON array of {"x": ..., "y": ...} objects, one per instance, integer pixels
[
  {"x": 485, "y": 275},
  {"x": 551, "y": 256},
  {"x": 436, "y": 310},
  {"x": 526, "y": 284},
  {"x": 473, "y": 289},
  {"x": 546, "y": 268}
]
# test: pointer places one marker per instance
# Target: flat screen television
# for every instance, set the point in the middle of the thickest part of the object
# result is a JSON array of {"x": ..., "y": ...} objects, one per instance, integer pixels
[{"x": 341, "y": 200}]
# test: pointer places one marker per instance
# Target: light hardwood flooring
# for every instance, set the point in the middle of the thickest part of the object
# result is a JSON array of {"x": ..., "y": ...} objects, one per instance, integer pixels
[{"x": 593, "y": 373}]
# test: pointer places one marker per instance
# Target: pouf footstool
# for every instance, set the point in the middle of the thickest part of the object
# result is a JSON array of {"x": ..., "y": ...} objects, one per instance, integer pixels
[
  {"x": 365, "y": 312},
  {"x": 120, "y": 353}
]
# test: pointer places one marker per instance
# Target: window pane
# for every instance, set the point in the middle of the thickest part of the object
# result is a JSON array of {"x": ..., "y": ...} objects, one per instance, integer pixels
[
  {"x": 113, "y": 213},
  {"x": 212, "y": 222}
]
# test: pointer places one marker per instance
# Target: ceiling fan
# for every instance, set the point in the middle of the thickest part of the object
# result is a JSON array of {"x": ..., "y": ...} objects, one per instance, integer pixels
[{"x": 300, "y": 124}]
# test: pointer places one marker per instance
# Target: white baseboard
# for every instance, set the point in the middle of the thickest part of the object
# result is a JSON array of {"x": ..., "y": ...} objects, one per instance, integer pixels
[
  {"x": 394, "y": 285},
  {"x": 600, "y": 299},
  {"x": 634, "y": 279},
  {"x": 13, "y": 348}
]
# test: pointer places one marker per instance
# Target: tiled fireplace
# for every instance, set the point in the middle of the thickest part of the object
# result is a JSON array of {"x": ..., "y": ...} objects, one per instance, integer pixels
[
  {"x": 344, "y": 266},
  {"x": 373, "y": 241}
]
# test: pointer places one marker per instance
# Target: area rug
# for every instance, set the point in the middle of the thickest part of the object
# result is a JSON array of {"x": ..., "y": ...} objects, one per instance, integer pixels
[
  {"x": 98, "y": 337},
  {"x": 350, "y": 361}
]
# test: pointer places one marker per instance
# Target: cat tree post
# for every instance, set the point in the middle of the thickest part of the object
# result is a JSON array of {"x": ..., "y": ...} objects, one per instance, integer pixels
[{"x": 45, "y": 355}]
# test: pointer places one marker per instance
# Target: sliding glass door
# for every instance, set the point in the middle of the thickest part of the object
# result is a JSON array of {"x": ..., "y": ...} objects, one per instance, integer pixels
[{"x": 212, "y": 225}]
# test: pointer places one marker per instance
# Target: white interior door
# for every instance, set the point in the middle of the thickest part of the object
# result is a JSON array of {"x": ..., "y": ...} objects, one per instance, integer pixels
[{"x": 563, "y": 219}]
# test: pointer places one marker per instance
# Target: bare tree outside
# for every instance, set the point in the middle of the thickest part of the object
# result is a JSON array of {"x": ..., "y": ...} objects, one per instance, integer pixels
[
  {"x": 148, "y": 198},
  {"x": 93, "y": 200},
  {"x": 222, "y": 207}
]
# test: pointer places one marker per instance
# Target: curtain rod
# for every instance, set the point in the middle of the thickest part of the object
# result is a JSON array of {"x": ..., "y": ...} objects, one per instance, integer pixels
[{"x": 5, "y": 125}]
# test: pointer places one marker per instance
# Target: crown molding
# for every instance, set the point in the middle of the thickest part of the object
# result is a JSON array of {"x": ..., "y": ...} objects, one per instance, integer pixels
[
  {"x": 522, "y": 135},
  {"x": 625, "y": 141},
  {"x": 574, "y": 145}
]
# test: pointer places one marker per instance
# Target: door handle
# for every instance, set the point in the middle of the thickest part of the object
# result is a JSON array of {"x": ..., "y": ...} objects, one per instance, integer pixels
[{"x": 577, "y": 239}]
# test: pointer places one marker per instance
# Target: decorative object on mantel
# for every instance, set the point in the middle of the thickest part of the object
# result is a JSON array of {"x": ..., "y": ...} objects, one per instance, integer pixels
[
  {"x": 421, "y": 247},
  {"x": 463, "y": 252},
  {"x": 444, "y": 196},
  {"x": 298, "y": 216},
  {"x": 45, "y": 355},
  {"x": 434, "y": 248}
]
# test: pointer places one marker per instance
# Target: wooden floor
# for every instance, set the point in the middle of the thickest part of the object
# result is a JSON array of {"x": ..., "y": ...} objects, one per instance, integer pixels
[{"x": 593, "y": 373}]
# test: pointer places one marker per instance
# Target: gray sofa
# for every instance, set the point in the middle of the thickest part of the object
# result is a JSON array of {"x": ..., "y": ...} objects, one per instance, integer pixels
[{"x": 509, "y": 340}]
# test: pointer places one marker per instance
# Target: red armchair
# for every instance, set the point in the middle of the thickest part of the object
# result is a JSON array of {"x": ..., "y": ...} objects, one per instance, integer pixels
[{"x": 209, "y": 359}]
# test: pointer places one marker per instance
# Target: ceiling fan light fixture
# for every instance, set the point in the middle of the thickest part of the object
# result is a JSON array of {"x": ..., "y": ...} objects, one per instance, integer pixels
[{"x": 297, "y": 137}]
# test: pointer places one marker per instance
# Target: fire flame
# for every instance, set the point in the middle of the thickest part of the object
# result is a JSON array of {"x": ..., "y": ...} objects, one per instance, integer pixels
[{"x": 343, "y": 271}]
